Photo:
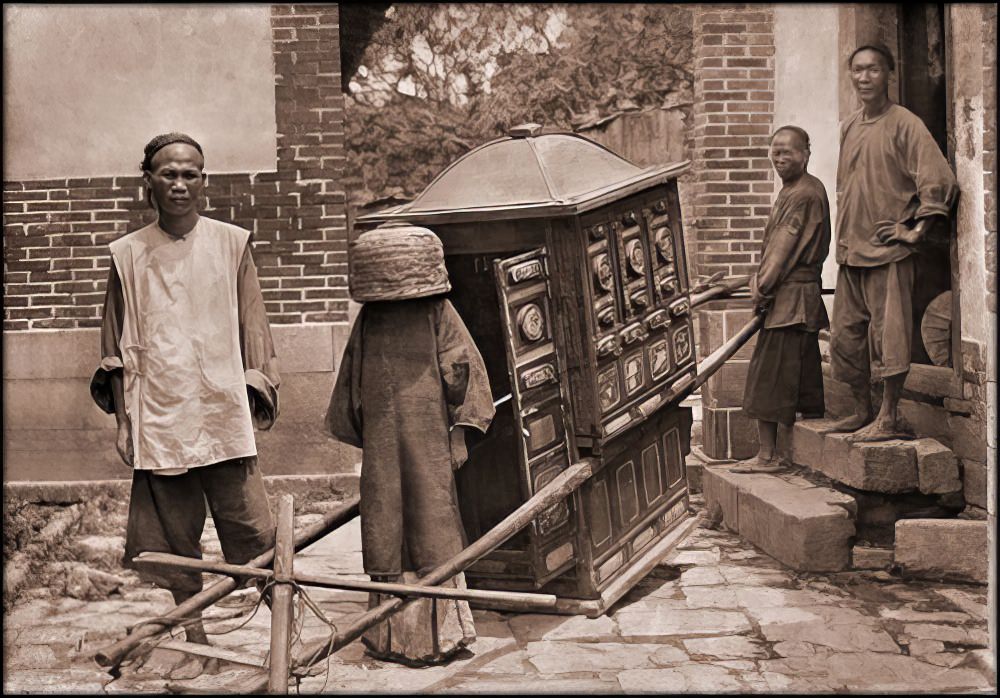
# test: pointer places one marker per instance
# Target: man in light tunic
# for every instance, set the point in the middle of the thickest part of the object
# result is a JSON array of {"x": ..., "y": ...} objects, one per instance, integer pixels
[
  {"x": 188, "y": 370},
  {"x": 892, "y": 181}
]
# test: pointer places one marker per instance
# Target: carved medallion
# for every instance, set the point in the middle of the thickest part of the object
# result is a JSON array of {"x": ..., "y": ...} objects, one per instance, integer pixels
[{"x": 531, "y": 322}]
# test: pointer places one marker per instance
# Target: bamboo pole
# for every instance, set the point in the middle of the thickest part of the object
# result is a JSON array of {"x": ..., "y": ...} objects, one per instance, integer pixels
[
  {"x": 521, "y": 601},
  {"x": 282, "y": 595},
  {"x": 112, "y": 655},
  {"x": 562, "y": 486}
]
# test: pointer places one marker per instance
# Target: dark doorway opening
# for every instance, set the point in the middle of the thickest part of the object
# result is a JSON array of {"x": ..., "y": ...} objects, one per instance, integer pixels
[{"x": 923, "y": 90}]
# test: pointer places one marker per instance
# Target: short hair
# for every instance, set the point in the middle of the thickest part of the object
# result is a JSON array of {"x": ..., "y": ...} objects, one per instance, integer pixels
[
  {"x": 800, "y": 132},
  {"x": 162, "y": 141},
  {"x": 879, "y": 48}
]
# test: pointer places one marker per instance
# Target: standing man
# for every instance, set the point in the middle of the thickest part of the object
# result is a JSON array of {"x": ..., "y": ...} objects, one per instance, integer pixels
[
  {"x": 892, "y": 180},
  {"x": 188, "y": 370},
  {"x": 785, "y": 373}
]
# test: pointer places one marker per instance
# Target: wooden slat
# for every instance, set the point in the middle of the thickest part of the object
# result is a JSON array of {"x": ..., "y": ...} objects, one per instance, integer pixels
[{"x": 212, "y": 652}]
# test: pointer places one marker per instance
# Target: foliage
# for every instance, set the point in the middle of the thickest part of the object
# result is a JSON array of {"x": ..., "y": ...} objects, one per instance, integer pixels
[{"x": 437, "y": 80}]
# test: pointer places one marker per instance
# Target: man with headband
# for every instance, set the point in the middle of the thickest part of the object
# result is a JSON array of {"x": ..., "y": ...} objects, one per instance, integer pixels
[
  {"x": 188, "y": 369},
  {"x": 892, "y": 184},
  {"x": 785, "y": 375}
]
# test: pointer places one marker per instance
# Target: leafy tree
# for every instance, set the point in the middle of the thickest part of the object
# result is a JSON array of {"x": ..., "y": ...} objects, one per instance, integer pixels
[{"x": 437, "y": 80}]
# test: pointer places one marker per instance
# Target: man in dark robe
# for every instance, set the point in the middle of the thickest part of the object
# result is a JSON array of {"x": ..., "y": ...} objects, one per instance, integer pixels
[
  {"x": 892, "y": 182},
  {"x": 410, "y": 383},
  {"x": 785, "y": 373}
]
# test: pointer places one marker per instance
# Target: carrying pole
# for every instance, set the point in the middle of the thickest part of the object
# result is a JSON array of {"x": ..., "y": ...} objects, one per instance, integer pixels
[
  {"x": 111, "y": 656},
  {"x": 282, "y": 596},
  {"x": 519, "y": 601},
  {"x": 558, "y": 489}
]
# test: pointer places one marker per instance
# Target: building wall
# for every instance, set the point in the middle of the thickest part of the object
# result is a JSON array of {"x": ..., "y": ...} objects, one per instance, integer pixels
[
  {"x": 802, "y": 100},
  {"x": 731, "y": 189},
  {"x": 62, "y": 122},
  {"x": 56, "y": 233},
  {"x": 989, "y": 121}
]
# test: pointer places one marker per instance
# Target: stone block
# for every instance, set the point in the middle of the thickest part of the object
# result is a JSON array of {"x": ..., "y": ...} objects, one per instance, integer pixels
[
  {"x": 889, "y": 466},
  {"x": 942, "y": 549},
  {"x": 864, "y": 557},
  {"x": 937, "y": 467},
  {"x": 968, "y": 438},
  {"x": 693, "y": 467},
  {"x": 715, "y": 432},
  {"x": 927, "y": 420},
  {"x": 805, "y": 527},
  {"x": 974, "y": 483},
  {"x": 70, "y": 353},
  {"x": 728, "y": 433},
  {"x": 837, "y": 397},
  {"x": 725, "y": 387},
  {"x": 721, "y": 497},
  {"x": 304, "y": 348},
  {"x": 744, "y": 440}
]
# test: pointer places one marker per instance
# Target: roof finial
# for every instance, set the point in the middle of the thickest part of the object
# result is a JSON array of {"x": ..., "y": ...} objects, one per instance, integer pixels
[{"x": 525, "y": 130}]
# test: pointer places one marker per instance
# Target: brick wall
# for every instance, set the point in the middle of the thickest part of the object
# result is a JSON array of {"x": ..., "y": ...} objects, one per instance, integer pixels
[
  {"x": 733, "y": 114},
  {"x": 56, "y": 231},
  {"x": 731, "y": 191}
]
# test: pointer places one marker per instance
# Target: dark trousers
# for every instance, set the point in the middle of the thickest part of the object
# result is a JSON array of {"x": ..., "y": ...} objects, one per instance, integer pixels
[
  {"x": 167, "y": 515},
  {"x": 785, "y": 376}
]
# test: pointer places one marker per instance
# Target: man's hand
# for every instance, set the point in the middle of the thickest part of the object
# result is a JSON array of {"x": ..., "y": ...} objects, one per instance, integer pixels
[
  {"x": 459, "y": 454},
  {"x": 889, "y": 232},
  {"x": 761, "y": 303},
  {"x": 124, "y": 443}
]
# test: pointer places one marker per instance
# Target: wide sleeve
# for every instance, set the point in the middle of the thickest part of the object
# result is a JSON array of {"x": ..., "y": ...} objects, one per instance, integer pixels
[
  {"x": 344, "y": 415},
  {"x": 111, "y": 334},
  {"x": 780, "y": 254},
  {"x": 936, "y": 184},
  {"x": 466, "y": 383},
  {"x": 260, "y": 365}
]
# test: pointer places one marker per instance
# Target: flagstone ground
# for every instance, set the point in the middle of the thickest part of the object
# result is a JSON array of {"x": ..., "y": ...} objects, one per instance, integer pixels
[{"x": 717, "y": 616}]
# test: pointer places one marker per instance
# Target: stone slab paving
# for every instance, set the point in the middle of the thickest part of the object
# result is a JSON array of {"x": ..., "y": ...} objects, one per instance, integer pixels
[{"x": 717, "y": 617}]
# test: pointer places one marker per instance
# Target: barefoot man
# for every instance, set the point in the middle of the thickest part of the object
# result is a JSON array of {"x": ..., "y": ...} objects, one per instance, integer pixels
[
  {"x": 188, "y": 370},
  {"x": 892, "y": 181},
  {"x": 785, "y": 374}
]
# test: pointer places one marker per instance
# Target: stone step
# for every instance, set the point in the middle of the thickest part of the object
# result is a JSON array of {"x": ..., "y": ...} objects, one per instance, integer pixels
[
  {"x": 921, "y": 465},
  {"x": 942, "y": 549},
  {"x": 806, "y": 527}
]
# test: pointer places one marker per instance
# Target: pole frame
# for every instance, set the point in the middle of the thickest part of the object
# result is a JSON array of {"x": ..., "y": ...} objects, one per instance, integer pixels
[{"x": 282, "y": 597}]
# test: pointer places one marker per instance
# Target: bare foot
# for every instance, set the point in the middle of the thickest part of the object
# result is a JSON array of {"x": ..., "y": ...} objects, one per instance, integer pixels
[
  {"x": 881, "y": 429},
  {"x": 758, "y": 465},
  {"x": 850, "y": 423}
]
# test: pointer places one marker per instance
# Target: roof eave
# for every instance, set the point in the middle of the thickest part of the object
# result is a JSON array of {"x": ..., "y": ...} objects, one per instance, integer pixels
[{"x": 542, "y": 209}]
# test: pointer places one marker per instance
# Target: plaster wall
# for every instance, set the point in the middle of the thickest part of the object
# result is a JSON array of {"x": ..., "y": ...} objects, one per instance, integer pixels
[
  {"x": 806, "y": 45},
  {"x": 214, "y": 80},
  {"x": 967, "y": 117}
]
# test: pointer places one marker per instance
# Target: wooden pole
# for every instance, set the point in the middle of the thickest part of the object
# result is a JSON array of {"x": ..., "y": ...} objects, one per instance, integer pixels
[
  {"x": 725, "y": 288},
  {"x": 562, "y": 486},
  {"x": 282, "y": 596},
  {"x": 112, "y": 655},
  {"x": 521, "y": 602}
]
